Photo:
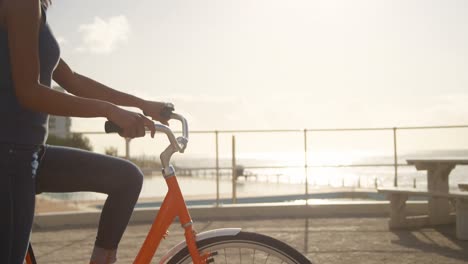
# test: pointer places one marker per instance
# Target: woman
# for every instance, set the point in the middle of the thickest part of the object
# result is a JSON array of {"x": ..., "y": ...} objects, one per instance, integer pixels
[{"x": 29, "y": 60}]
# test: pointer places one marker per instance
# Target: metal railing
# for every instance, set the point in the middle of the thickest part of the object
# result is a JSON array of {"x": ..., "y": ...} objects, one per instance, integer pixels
[{"x": 305, "y": 133}]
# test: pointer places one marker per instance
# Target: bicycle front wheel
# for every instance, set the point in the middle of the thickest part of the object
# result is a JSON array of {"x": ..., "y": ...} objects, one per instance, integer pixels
[{"x": 245, "y": 248}]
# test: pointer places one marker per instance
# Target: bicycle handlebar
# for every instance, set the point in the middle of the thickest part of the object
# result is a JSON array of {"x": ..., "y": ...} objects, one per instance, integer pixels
[{"x": 179, "y": 143}]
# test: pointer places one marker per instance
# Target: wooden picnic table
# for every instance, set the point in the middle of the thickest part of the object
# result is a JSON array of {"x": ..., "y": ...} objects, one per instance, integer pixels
[{"x": 438, "y": 171}]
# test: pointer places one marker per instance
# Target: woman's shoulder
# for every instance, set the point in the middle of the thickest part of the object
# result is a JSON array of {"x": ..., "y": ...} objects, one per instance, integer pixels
[
  {"x": 11, "y": 7},
  {"x": 19, "y": 8}
]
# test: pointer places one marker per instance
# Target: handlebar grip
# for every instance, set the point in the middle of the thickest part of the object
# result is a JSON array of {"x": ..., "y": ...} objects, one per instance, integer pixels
[{"x": 111, "y": 127}]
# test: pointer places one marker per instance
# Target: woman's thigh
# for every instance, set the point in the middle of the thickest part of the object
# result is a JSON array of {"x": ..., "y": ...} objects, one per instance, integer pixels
[{"x": 71, "y": 170}]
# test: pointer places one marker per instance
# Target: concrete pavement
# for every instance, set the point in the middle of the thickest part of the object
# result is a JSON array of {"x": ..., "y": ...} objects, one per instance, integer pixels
[{"x": 336, "y": 240}]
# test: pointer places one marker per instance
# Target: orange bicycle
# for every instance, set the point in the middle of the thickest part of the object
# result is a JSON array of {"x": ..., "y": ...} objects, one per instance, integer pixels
[{"x": 214, "y": 246}]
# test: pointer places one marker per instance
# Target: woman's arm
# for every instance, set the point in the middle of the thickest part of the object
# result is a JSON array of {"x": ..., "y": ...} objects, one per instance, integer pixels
[
  {"x": 23, "y": 21},
  {"x": 83, "y": 86}
]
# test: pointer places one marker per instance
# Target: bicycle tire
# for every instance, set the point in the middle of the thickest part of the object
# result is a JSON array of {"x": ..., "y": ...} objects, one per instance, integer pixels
[{"x": 255, "y": 248}]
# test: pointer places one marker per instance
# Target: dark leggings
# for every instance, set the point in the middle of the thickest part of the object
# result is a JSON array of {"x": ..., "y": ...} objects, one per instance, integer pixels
[
  {"x": 18, "y": 164},
  {"x": 71, "y": 170}
]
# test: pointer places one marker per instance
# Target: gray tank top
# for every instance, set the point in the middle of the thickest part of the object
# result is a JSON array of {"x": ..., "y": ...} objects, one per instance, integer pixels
[{"x": 18, "y": 124}]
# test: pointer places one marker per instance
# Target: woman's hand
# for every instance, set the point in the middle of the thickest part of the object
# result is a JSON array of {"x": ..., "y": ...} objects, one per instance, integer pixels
[
  {"x": 158, "y": 111},
  {"x": 132, "y": 124}
]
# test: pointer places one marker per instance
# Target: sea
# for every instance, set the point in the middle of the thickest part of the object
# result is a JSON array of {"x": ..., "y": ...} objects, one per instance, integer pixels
[{"x": 277, "y": 176}]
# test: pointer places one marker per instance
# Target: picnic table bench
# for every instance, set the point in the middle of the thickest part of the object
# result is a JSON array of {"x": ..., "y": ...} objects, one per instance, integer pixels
[{"x": 438, "y": 171}]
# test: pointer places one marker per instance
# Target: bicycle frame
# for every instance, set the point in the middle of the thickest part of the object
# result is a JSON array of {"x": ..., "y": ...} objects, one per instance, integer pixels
[{"x": 30, "y": 258}]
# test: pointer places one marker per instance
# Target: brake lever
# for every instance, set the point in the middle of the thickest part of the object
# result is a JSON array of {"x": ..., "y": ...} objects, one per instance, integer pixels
[{"x": 166, "y": 112}]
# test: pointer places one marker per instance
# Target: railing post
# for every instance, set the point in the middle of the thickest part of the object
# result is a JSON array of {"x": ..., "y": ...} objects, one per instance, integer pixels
[
  {"x": 217, "y": 168},
  {"x": 127, "y": 148},
  {"x": 234, "y": 171},
  {"x": 395, "y": 157},
  {"x": 306, "y": 168}
]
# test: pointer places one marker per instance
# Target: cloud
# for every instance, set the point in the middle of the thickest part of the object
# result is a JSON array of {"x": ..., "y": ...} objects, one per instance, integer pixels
[{"x": 103, "y": 35}]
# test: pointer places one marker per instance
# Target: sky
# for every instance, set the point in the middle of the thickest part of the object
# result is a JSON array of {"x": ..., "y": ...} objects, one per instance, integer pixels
[{"x": 275, "y": 64}]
